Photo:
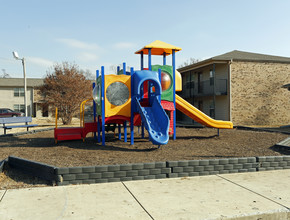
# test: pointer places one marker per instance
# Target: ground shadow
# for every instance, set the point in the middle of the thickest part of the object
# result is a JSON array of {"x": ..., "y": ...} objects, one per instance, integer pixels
[
  {"x": 17, "y": 141},
  {"x": 281, "y": 149},
  {"x": 119, "y": 145},
  {"x": 89, "y": 143},
  {"x": 15, "y": 175},
  {"x": 196, "y": 137}
]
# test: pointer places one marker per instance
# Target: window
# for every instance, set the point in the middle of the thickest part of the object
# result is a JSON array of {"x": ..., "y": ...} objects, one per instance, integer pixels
[
  {"x": 211, "y": 77},
  {"x": 200, "y": 105},
  {"x": 199, "y": 82},
  {"x": 188, "y": 81},
  {"x": 19, "y": 108},
  {"x": 18, "y": 92},
  {"x": 191, "y": 83}
]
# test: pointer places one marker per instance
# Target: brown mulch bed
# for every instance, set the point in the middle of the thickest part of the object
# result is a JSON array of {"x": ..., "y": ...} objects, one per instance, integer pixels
[{"x": 191, "y": 144}]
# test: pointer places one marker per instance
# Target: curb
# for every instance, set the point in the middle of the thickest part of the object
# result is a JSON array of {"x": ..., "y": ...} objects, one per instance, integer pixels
[{"x": 260, "y": 129}]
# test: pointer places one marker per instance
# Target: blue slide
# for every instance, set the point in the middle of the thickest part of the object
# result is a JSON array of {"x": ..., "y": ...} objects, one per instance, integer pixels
[{"x": 156, "y": 121}]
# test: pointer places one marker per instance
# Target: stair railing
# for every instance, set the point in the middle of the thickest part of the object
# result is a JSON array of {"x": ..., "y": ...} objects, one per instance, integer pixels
[
  {"x": 82, "y": 112},
  {"x": 56, "y": 111}
]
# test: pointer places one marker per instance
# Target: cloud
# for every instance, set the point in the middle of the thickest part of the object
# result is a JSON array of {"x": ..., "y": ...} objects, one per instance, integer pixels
[
  {"x": 78, "y": 44},
  {"x": 124, "y": 45},
  {"x": 40, "y": 61},
  {"x": 88, "y": 57}
]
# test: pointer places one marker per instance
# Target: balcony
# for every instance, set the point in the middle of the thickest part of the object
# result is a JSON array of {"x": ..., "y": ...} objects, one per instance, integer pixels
[{"x": 205, "y": 88}]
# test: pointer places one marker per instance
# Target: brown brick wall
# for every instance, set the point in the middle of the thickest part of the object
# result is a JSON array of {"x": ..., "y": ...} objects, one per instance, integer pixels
[{"x": 257, "y": 96}]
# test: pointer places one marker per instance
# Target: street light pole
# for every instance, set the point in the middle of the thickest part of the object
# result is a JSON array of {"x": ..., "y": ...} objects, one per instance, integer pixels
[{"x": 15, "y": 54}]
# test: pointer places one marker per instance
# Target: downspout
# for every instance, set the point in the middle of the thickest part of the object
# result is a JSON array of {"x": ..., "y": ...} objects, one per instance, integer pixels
[
  {"x": 214, "y": 91},
  {"x": 230, "y": 88}
]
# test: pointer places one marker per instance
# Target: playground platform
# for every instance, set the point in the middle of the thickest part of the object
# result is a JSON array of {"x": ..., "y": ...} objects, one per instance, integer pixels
[{"x": 257, "y": 195}]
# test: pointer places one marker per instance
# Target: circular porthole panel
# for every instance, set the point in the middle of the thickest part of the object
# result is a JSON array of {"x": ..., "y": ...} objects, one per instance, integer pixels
[
  {"x": 166, "y": 81},
  {"x": 117, "y": 93},
  {"x": 97, "y": 94}
]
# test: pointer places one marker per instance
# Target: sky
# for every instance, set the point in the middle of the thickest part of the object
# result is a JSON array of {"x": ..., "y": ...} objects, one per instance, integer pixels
[{"x": 95, "y": 33}]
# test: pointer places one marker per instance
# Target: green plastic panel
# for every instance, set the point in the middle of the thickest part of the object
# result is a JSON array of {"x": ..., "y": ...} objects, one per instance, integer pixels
[{"x": 168, "y": 94}]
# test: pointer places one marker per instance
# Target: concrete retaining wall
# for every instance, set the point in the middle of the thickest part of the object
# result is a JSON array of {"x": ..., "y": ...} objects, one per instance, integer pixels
[
  {"x": 40, "y": 170},
  {"x": 142, "y": 171},
  {"x": 2, "y": 163},
  {"x": 273, "y": 163}
]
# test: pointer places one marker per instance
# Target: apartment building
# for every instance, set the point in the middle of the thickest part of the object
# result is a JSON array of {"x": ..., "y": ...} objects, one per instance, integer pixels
[
  {"x": 12, "y": 95},
  {"x": 243, "y": 87}
]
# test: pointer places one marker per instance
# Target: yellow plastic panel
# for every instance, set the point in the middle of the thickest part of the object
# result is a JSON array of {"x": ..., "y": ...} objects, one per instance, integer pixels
[
  {"x": 158, "y": 48},
  {"x": 178, "y": 81},
  {"x": 125, "y": 109}
]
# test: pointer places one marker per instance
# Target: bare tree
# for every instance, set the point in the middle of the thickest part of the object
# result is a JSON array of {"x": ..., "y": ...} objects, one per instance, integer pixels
[
  {"x": 5, "y": 75},
  {"x": 65, "y": 87},
  {"x": 189, "y": 62},
  {"x": 88, "y": 74}
]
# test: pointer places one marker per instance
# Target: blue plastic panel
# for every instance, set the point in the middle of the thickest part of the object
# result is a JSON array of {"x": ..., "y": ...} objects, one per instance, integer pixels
[{"x": 156, "y": 122}]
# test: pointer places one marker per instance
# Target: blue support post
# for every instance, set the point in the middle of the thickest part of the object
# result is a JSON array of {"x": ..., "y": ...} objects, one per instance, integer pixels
[
  {"x": 149, "y": 59},
  {"x": 142, "y": 124},
  {"x": 164, "y": 58},
  {"x": 142, "y": 60},
  {"x": 119, "y": 126},
  {"x": 124, "y": 68},
  {"x": 119, "y": 131},
  {"x": 132, "y": 111},
  {"x": 103, "y": 104},
  {"x": 159, "y": 75},
  {"x": 94, "y": 111},
  {"x": 174, "y": 112},
  {"x": 99, "y": 123},
  {"x": 125, "y": 131},
  {"x": 150, "y": 68}
]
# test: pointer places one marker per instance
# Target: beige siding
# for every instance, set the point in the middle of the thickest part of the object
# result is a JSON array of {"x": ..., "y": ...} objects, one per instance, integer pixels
[
  {"x": 7, "y": 99},
  {"x": 257, "y": 96},
  {"x": 222, "y": 108},
  {"x": 221, "y": 71}
]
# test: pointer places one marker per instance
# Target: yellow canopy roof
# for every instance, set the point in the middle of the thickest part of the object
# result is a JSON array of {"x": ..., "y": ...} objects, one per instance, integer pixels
[{"x": 158, "y": 48}]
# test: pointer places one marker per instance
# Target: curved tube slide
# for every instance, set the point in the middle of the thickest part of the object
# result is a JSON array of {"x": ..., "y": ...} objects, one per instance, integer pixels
[{"x": 156, "y": 122}]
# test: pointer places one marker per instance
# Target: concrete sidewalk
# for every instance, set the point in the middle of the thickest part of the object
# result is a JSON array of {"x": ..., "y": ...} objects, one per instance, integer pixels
[{"x": 257, "y": 195}]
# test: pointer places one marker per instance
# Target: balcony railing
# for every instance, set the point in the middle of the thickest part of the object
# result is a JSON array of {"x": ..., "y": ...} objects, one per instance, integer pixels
[{"x": 205, "y": 88}]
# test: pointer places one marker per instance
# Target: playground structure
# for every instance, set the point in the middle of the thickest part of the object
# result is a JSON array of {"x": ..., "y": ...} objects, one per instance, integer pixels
[
  {"x": 143, "y": 98},
  {"x": 75, "y": 133}
]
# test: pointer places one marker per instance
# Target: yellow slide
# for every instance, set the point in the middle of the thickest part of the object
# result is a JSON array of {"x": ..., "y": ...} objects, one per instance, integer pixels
[{"x": 198, "y": 116}]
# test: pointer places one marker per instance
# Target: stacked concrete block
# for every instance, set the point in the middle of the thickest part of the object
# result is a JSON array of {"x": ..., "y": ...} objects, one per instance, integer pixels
[
  {"x": 111, "y": 173},
  {"x": 273, "y": 163},
  {"x": 143, "y": 171},
  {"x": 211, "y": 167}
]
